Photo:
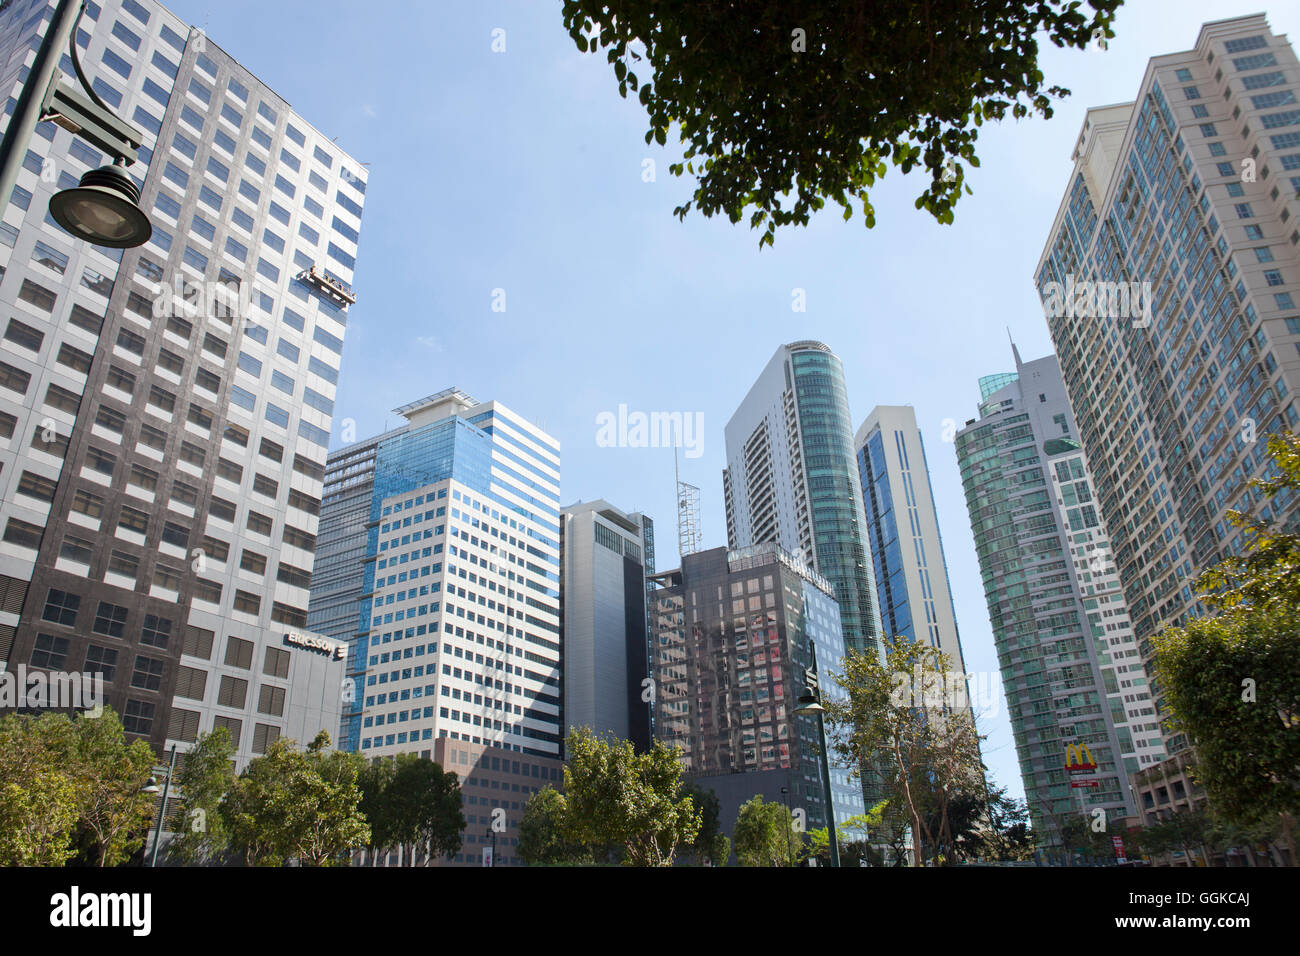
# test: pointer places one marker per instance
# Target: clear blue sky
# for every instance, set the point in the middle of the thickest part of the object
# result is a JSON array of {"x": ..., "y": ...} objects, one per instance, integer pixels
[{"x": 522, "y": 171}]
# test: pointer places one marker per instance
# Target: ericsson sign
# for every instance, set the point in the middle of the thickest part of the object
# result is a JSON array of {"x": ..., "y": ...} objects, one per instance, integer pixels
[{"x": 313, "y": 642}]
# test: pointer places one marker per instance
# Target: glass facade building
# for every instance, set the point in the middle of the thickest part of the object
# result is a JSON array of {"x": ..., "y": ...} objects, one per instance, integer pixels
[
  {"x": 731, "y": 640},
  {"x": 1188, "y": 197},
  {"x": 792, "y": 478},
  {"x": 1069, "y": 661},
  {"x": 903, "y": 530},
  {"x": 455, "y": 627}
]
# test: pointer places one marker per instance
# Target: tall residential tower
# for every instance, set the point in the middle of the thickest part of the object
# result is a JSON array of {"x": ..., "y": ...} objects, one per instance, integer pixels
[
  {"x": 1070, "y": 668},
  {"x": 1187, "y": 197}
]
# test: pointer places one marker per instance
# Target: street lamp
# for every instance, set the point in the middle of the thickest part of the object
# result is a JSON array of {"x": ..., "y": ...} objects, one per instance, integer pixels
[
  {"x": 810, "y": 704},
  {"x": 151, "y": 787},
  {"x": 102, "y": 208}
]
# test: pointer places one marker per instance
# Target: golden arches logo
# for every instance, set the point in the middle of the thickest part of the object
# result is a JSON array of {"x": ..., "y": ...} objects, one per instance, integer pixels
[{"x": 1079, "y": 757}]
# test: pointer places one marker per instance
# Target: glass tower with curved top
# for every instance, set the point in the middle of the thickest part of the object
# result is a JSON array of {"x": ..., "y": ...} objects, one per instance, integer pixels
[{"x": 792, "y": 478}]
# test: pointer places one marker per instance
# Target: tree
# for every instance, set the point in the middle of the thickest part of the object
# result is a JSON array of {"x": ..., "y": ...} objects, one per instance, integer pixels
[
  {"x": 784, "y": 104},
  {"x": 710, "y": 847},
  {"x": 205, "y": 778},
  {"x": 373, "y": 782},
  {"x": 854, "y": 833},
  {"x": 1232, "y": 682},
  {"x": 424, "y": 808},
  {"x": 298, "y": 805},
  {"x": 38, "y": 791},
  {"x": 617, "y": 797},
  {"x": 543, "y": 833},
  {"x": 896, "y": 723},
  {"x": 764, "y": 835},
  {"x": 1007, "y": 836}
]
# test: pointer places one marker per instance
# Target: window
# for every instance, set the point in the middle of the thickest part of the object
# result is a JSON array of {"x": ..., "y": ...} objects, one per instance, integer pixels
[
  {"x": 61, "y": 607},
  {"x": 138, "y": 716},
  {"x": 88, "y": 504},
  {"x": 252, "y": 561},
  {"x": 271, "y": 450},
  {"x": 77, "y": 549},
  {"x": 110, "y": 620},
  {"x": 271, "y": 701},
  {"x": 37, "y": 295},
  {"x": 239, "y": 653},
  {"x": 132, "y": 519},
  {"x": 145, "y": 478},
  {"x": 99, "y": 460},
  {"x": 259, "y": 523},
  {"x": 147, "y": 673},
  {"x": 276, "y": 662},
  {"x": 116, "y": 64},
  {"x": 50, "y": 257},
  {"x": 162, "y": 398},
  {"x": 102, "y": 661},
  {"x": 23, "y": 334},
  {"x": 247, "y": 602},
  {"x": 50, "y": 652},
  {"x": 178, "y": 536},
  {"x": 111, "y": 419},
  {"x": 23, "y": 533}
]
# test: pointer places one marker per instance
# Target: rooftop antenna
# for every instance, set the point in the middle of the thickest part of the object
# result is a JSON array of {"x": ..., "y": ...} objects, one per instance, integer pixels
[{"x": 688, "y": 513}]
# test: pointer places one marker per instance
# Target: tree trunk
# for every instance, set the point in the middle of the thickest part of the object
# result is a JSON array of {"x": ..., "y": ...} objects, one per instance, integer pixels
[{"x": 1288, "y": 833}]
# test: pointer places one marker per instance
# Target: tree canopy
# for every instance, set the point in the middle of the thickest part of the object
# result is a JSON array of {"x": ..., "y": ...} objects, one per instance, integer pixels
[
  {"x": 71, "y": 790},
  {"x": 615, "y": 797},
  {"x": 1231, "y": 682},
  {"x": 782, "y": 105}
]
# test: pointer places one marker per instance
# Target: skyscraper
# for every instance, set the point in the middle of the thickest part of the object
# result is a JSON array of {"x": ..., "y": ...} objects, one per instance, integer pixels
[
  {"x": 1184, "y": 200},
  {"x": 791, "y": 478},
  {"x": 455, "y": 648},
  {"x": 165, "y": 410},
  {"x": 606, "y": 555},
  {"x": 903, "y": 528},
  {"x": 1064, "y": 641},
  {"x": 732, "y": 637}
]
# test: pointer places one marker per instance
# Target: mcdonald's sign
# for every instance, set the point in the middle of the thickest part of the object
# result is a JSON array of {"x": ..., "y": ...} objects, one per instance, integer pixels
[{"x": 1078, "y": 759}]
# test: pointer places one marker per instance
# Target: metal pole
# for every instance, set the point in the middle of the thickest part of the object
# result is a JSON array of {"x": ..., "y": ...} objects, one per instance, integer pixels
[
  {"x": 162, "y": 810},
  {"x": 826, "y": 768},
  {"x": 785, "y": 796},
  {"x": 18, "y": 134}
]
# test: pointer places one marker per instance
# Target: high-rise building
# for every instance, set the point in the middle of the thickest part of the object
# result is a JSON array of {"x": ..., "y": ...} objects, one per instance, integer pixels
[
  {"x": 165, "y": 410},
  {"x": 606, "y": 555},
  {"x": 903, "y": 528},
  {"x": 334, "y": 607},
  {"x": 732, "y": 636},
  {"x": 1170, "y": 277},
  {"x": 1075, "y": 688},
  {"x": 791, "y": 478},
  {"x": 456, "y": 639}
]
